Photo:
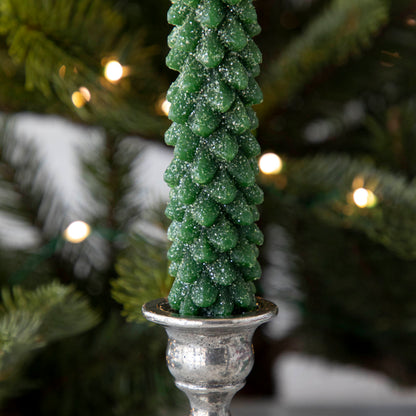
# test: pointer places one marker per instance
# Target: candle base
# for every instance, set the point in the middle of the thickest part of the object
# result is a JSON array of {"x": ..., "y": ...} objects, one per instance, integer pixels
[{"x": 209, "y": 358}]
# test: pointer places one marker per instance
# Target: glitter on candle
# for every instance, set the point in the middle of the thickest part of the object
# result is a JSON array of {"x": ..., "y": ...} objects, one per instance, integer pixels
[
  {"x": 212, "y": 175},
  {"x": 77, "y": 232},
  {"x": 270, "y": 164},
  {"x": 364, "y": 198},
  {"x": 113, "y": 71}
]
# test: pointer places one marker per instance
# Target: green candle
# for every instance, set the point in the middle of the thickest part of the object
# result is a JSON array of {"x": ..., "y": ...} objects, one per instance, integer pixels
[{"x": 213, "y": 193}]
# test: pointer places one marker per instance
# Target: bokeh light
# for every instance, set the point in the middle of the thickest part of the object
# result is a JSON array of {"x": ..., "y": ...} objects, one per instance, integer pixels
[
  {"x": 62, "y": 71},
  {"x": 364, "y": 198},
  {"x": 77, "y": 232},
  {"x": 113, "y": 71},
  {"x": 270, "y": 164},
  {"x": 411, "y": 21},
  {"x": 165, "y": 107},
  {"x": 85, "y": 92},
  {"x": 78, "y": 99}
]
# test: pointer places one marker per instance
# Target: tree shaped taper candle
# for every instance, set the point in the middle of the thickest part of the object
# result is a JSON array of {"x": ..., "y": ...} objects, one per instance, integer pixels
[{"x": 213, "y": 193}]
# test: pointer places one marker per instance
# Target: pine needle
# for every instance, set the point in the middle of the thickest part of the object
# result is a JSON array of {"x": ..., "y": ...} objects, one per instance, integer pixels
[
  {"x": 29, "y": 320},
  {"x": 143, "y": 276},
  {"x": 325, "y": 184},
  {"x": 343, "y": 30}
]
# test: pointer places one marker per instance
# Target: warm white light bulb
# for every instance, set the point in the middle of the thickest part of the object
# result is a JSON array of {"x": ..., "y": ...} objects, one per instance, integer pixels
[
  {"x": 411, "y": 21},
  {"x": 270, "y": 164},
  {"x": 113, "y": 71},
  {"x": 62, "y": 71},
  {"x": 165, "y": 107},
  {"x": 77, "y": 231},
  {"x": 364, "y": 198},
  {"x": 78, "y": 99},
  {"x": 85, "y": 92}
]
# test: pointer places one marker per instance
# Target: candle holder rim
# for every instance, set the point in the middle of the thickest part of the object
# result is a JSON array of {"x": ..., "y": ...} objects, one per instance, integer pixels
[{"x": 159, "y": 312}]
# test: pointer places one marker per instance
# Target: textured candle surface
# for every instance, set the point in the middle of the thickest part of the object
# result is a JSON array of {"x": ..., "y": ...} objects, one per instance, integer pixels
[{"x": 213, "y": 194}]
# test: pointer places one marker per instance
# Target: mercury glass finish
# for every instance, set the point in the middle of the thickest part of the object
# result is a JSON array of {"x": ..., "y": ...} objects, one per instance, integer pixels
[{"x": 209, "y": 358}]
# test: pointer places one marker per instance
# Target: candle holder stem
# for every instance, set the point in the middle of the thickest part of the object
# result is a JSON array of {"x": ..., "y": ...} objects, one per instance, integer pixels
[{"x": 209, "y": 358}]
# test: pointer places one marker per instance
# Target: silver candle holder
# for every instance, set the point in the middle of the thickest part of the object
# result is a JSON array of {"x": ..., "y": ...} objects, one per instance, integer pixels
[{"x": 209, "y": 358}]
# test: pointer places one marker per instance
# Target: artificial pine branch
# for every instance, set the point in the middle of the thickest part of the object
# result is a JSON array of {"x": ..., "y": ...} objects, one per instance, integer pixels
[
  {"x": 62, "y": 311},
  {"x": 29, "y": 320},
  {"x": 114, "y": 369},
  {"x": 344, "y": 29},
  {"x": 38, "y": 36},
  {"x": 324, "y": 184},
  {"x": 60, "y": 53},
  {"x": 357, "y": 303},
  {"x": 109, "y": 174},
  {"x": 143, "y": 275},
  {"x": 394, "y": 138},
  {"x": 32, "y": 197}
]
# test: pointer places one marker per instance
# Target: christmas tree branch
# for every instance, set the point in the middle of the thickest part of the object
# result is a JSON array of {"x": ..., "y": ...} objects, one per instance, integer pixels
[
  {"x": 344, "y": 29},
  {"x": 33, "y": 199},
  {"x": 29, "y": 320},
  {"x": 325, "y": 185},
  {"x": 143, "y": 275},
  {"x": 109, "y": 173},
  {"x": 46, "y": 36},
  {"x": 59, "y": 53}
]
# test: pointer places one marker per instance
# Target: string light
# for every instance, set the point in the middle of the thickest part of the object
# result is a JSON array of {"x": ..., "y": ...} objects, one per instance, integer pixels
[
  {"x": 411, "y": 21},
  {"x": 78, "y": 99},
  {"x": 77, "y": 232},
  {"x": 358, "y": 182},
  {"x": 85, "y": 92},
  {"x": 113, "y": 71},
  {"x": 62, "y": 71},
  {"x": 270, "y": 164},
  {"x": 364, "y": 198}
]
